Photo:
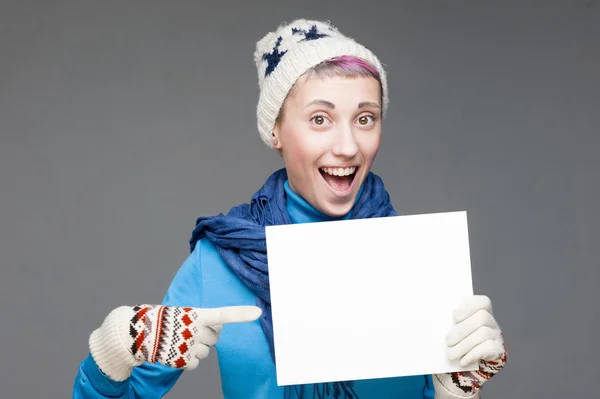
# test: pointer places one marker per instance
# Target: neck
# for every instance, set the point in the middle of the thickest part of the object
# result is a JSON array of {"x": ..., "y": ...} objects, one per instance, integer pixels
[{"x": 301, "y": 211}]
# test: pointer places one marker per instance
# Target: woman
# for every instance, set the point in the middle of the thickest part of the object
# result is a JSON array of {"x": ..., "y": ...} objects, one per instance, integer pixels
[{"x": 322, "y": 99}]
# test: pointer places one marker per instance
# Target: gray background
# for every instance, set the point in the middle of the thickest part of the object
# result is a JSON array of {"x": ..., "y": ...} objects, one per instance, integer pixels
[{"x": 121, "y": 122}]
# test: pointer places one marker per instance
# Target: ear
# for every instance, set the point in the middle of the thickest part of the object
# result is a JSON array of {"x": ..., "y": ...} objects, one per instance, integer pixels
[{"x": 276, "y": 137}]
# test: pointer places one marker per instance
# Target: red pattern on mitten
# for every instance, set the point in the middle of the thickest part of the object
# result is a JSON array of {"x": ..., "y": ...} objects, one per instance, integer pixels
[{"x": 164, "y": 334}]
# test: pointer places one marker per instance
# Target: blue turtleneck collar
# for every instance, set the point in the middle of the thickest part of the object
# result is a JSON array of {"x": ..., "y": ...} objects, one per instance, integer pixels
[{"x": 301, "y": 211}]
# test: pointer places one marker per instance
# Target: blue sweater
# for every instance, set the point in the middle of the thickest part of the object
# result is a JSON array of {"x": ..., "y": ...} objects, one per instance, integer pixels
[{"x": 247, "y": 371}]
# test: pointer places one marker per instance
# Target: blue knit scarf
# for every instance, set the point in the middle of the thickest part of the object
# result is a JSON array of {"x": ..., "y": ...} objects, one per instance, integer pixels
[{"x": 239, "y": 237}]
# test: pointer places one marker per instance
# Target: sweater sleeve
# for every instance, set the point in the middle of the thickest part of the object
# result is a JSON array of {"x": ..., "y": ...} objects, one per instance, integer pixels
[{"x": 147, "y": 381}]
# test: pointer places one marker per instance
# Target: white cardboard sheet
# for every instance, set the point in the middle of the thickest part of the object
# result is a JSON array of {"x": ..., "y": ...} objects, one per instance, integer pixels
[{"x": 367, "y": 298}]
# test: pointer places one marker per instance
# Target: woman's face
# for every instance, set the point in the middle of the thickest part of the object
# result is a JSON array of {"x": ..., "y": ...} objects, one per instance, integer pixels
[{"x": 329, "y": 136}]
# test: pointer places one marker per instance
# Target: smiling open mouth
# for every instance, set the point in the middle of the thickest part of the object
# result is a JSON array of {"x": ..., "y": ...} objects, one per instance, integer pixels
[{"x": 339, "y": 179}]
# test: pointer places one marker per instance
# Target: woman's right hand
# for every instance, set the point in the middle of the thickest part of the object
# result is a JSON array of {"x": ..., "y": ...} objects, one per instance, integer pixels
[{"x": 174, "y": 336}]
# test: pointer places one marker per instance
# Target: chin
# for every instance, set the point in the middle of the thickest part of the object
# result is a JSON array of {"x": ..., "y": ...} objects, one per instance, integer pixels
[{"x": 337, "y": 210}]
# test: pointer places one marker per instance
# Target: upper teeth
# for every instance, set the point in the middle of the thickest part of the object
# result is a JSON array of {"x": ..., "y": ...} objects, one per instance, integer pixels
[{"x": 339, "y": 171}]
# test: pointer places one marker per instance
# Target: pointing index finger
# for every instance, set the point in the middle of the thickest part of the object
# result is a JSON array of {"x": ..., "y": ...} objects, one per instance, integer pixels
[{"x": 228, "y": 314}]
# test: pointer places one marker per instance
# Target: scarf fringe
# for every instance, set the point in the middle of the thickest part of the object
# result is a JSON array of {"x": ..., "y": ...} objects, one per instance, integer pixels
[
  {"x": 322, "y": 391},
  {"x": 261, "y": 211}
]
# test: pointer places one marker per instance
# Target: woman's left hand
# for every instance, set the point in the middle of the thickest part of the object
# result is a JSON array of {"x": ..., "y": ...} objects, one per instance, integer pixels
[{"x": 476, "y": 337}]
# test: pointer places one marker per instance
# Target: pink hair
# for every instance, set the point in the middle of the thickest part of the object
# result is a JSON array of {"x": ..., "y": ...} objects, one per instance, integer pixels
[
  {"x": 354, "y": 64},
  {"x": 346, "y": 66}
]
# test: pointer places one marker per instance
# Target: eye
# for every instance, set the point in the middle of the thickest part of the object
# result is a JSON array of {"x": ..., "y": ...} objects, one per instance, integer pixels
[
  {"x": 319, "y": 120},
  {"x": 366, "y": 120}
]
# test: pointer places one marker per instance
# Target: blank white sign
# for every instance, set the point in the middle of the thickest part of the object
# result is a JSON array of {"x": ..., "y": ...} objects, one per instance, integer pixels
[{"x": 367, "y": 298}]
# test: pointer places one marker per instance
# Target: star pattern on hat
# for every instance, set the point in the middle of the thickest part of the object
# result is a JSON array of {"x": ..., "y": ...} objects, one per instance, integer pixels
[
  {"x": 274, "y": 57},
  {"x": 311, "y": 34}
]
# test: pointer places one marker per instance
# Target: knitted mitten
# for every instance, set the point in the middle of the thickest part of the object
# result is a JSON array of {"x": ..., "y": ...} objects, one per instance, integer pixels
[
  {"x": 475, "y": 338},
  {"x": 173, "y": 336}
]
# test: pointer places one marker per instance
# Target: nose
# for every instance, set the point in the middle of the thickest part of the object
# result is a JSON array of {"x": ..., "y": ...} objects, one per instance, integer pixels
[{"x": 345, "y": 144}]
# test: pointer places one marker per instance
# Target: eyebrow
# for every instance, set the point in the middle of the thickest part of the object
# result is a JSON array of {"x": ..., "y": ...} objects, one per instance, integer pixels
[
  {"x": 326, "y": 103},
  {"x": 331, "y": 105},
  {"x": 368, "y": 104}
]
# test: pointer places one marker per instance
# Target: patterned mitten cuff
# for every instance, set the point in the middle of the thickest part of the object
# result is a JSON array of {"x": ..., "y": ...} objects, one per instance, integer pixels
[
  {"x": 445, "y": 388},
  {"x": 467, "y": 384},
  {"x": 109, "y": 347},
  {"x": 170, "y": 335}
]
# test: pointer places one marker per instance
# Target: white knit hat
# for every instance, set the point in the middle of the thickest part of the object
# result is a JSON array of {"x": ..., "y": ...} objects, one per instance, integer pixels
[{"x": 283, "y": 56}]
